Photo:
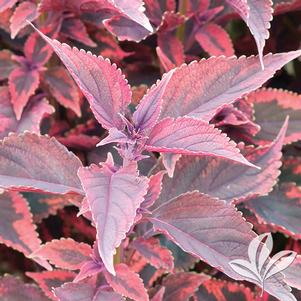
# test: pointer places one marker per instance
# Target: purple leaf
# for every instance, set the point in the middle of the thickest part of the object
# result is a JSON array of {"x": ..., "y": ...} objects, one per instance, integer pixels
[
  {"x": 31, "y": 117},
  {"x": 200, "y": 88},
  {"x": 12, "y": 288},
  {"x": 23, "y": 82},
  {"x": 224, "y": 179},
  {"x": 113, "y": 196},
  {"x": 257, "y": 15},
  {"x": 149, "y": 108},
  {"x": 154, "y": 253},
  {"x": 107, "y": 296},
  {"x": 127, "y": 283},
  {"x": 214, "y": 40},
  {"x": 102, "y": 83},
  {"x": 181, "y": 286},
  {"x": 271, "y": 106},
  {"x": 7, "y": 65},
  {"x": 190, "y": 136},
  {"x": 26, "y": 11},
  {"x": 53, "y": 170},
  {"x": 65, "y": 253},
  {"x": 75, "y": 292}
]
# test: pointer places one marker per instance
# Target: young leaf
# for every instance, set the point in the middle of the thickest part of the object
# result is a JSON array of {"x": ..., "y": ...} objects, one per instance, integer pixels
[
  {"x": 200, "y": 88},
  {"x": 31, "y": 117},
  {"x": 23, "y": 81},
  {"x": 102, "y": 83},
  {"x": 127, "y": 283},
  {"x": 63, "y": 88},
  {"x": 271, "y": 106},
  {"x": 12, "y": 288},
  {"x": 189, "y": 136},
  {"x": 53, "y": 170},
  {"x": 65, "y": 253},
  {"x": 16, "y": 226},
  {"x": 51, "y": 279},
  {"x": 224, "y": 179},
  {"x": 281, "y": 209},
  {"x": 181, "y": 286},
  {"x": 26, "y": 11},
  {"x": 257, "y": 15},
  {"x": 214, "y": 40},
  {"x": 113, "y": 196},
  {"x": 154, "y": 253}
]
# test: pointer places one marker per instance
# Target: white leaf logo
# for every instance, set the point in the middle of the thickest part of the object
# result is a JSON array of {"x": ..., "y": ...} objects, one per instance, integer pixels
[{"x": 260, "y": 266}]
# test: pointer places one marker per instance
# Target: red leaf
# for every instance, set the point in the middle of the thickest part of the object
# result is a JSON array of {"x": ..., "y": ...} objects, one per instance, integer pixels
[
  {"x": 257, "y": 15},
  {"x": 54, "y": 171},
  {"x": 223, "y": 81},
  {"x": 102, "y": 83},
  {"x": 51, "y": 279},
  {"x": 16, "y": 227},
  {"x": 120, "y": 192},
  {"x": 226, "y": 180},
  {"x": 181, "y": 286},
  {"x": 13, "y": 289},
  {"x": 217, "y": 290},
  {"x": 5, "y": 4},
  {"x": 26, "y": 11},
  {"x": 271, "y": 106},
  {"x": 127, "y": 283},
  {"x": 31, "y": 117},
  {"x": 154, "y": 253},
  {"x": 65, "y": 253},
  {"x": 281, "y": 209},
  {"x": 214, "y": 40},
  {"x": 189, "y": 136},
  {"x": 75, "y": 29},
  {"x": 62, "y": 87},
  {"x": 37, "y": 50},
  {"x": 23, "y": 82},
  {"x": 7, "y": 65}
]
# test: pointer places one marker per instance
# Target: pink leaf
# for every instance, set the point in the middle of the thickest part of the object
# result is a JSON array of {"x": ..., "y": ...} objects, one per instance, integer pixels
[
  {"x": 200, "y": 88},
  {"x": 214, "y": 40},
  {"x": 63, "y": 88},
  {"x": 31, "y": 117},
  {"x": 107, "y": 296},
  {"x": 26, "y": 11},
  {"x": 154, "y": 189},
  {"x": 159, "y": 295},
  {"x": 190, "y": 136},
  {"x": 224, "y": 179},
  {"x": 5, "y": 4},
  {"x": 280, "y": 209},
  {"x": 53, "y": 170},
  {"x": 51, "y": 279},
  {"x": 65, "y": 253},
  {"x": 113, "y": 196},
  {"x": 149, "y": 108},
  {"x": 127, "y": 283},
  {"x": 181, "y": 286},
  {"x": 217, "y": 290},
  {"x": 37, "y": 50},
  {"x": 75, "y": 29},
  {"x": 293, "y": 272},
  {"x": 23, "y": 82},
  {"x": 154, "y": 253},
  {"x": 271, "y": 106},
  {"x": 7, "y": 65},
  {"x": 16, "y": 226},
  {"x": 257, "y": 15},
  {"x": 75, "y": 292},
  {"x": 102, "y": 83},
  {"x": 14, "y": 289}
]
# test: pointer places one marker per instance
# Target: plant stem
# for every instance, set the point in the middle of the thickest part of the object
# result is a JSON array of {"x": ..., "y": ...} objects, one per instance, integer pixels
[
  {"x": 181, "y": 29},
  {"x": 117, "y": 256}
]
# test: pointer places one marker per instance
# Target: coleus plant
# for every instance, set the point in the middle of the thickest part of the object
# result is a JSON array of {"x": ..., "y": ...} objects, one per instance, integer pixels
[{"x": 150, "y": 220}]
